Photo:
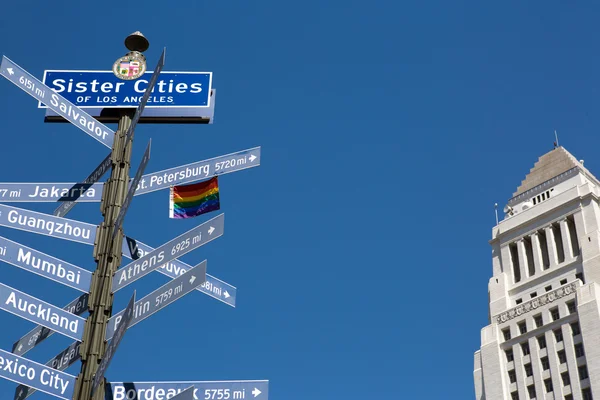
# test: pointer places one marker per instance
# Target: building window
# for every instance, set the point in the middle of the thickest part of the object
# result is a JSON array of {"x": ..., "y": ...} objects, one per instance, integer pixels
[
  {"x": 509, "y": 355},
  {"x": 545, "y": 363},
  {"x": 583, "y": 372},
  {"x": 529, "y": 254},
  {"x": 579, "y": 350},
  {"x": 571, "y": 306},
  {"x": 558, "y": 243},
  {"x": 518, "y": 301},
  {"x": 575, "y": 328},
  {"x": 573, "y": 235},
  {"x": 523, "y": 327},
  {"x": 528, "y": 369},
  {"x": 541, "y": 342},
  {"x": 563, "y": 282},
  {"x": 533, "y": 294},
  {"x": 512, "y": 376},
  {"x": 506, "y": 333},
  {"x": 586, "y": 394},
  {"x": 538, "y": 320},
  {"x": 514, "y": 396},
  {"x": 580, "y": 277},
  {"x": 565, "y": 378},
  {"x": 562, "y": 357},
  {"x": 544, "y": 248},
  {"x": 525, "y": 348},
  {"x": 554, "y": 313},
  {"x": 569, "y": 397},
  {"x": 558, "y": 335},
  {"x": 548, "y": 385},
  {"x": 514, "y": 257},
  {"x": 531, "y": 391}
]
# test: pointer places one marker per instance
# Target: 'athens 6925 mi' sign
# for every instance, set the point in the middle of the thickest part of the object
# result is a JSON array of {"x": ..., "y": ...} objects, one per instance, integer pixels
[{"x": 102, "y": 89}]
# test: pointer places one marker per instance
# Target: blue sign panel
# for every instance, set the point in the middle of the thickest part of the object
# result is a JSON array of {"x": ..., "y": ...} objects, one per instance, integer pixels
[
  {"x": 41, "y": 333},
  {"x": 200, "y": 170},
  {"x": 187, "y": 394},
  {"x": 27, "y": 192},
  {"x": 160, "y": 298},
  {"x": 45, "y": 265},
  {"x": 40, "y": 312},
  {"x": 102, "y": 89},
  {"x": 88, "y": 191},
  {"x": 49, "y": 225},
  {"x": 214, "y": 287},
  {"x": 41, "y": 377},
  {"x": 203, "y": 390},
  {"x": 79, "y": 189},
  {"x": 62, "y": 361},
  {"x": 56, "y": 102},
  {"x": 182, "y": 244}
]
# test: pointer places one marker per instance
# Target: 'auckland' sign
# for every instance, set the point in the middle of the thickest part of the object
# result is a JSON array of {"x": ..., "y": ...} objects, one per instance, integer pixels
[{"x": 93, "y": 89}]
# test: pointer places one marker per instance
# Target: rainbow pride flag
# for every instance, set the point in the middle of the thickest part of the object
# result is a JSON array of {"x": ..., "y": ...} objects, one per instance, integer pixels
[{"x": 189, "y": 201}]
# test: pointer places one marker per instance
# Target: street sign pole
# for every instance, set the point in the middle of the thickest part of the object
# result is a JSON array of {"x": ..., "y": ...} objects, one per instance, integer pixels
[{"x": 107, "y": 252}]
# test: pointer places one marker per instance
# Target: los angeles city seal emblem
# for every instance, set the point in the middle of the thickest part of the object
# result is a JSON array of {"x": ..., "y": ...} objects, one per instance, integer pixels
[{"x": 130, "y": 67}]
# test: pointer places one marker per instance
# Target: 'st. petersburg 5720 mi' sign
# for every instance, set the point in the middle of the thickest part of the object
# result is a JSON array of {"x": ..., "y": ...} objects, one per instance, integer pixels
[{"x": 102, "y": 89}]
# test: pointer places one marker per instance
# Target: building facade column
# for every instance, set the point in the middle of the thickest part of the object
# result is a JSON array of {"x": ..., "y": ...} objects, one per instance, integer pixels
[
  {"x": 537, "y": 252},
  {"x": 566, "y": 239},
  {"x": 550, "y": 241},
  {"x": 523, "y": 260}
]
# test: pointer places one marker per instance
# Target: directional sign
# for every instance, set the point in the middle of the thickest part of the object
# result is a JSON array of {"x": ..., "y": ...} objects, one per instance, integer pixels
[
  {"x": 197, "y": 171},
  {"x": 177, "y": 247},
  {"x": 145, "y": 97},
  {"x": 132, "y": 187},
  {"x": 204, "y": 390},
  {"x": 49, "y": 225},
  {"x": 29, "y": 84},
  {"x": 200, "y": 170},
  {"x": 187, "y": 394},
  {"x": 62, "y": 361},
  {"x": 80, "y": 188},
  {"x": 45, "y": 265},
  {"x": 41, "y": 377},
  {"x": 160, "y": 298},
  {"x": 41, "y": 333},
  {"x": 152, "y": 115},
  {"x": 102, "y": 89},
  {"x": 112, "y": 346},
  {"x": 48, "y": 192},
  {"x": 214, "y": 287},
  {"x": 40, "y": 312}
]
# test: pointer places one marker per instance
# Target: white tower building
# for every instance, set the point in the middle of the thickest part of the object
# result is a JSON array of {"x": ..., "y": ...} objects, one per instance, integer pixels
[{"x": 543, "y": 340}]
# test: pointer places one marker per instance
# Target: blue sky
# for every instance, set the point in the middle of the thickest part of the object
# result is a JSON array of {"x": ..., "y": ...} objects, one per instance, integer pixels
[{"x": 359, "y": 246}]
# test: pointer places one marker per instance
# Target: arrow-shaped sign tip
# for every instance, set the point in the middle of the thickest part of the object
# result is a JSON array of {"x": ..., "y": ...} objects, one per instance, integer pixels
[
  {"x": 252, "y": 158},
  {"x": 226, "y": 294},
  {"x": 211, "y": 230},
  {"x": 10, "y": 71},
  {"x": 256, "y": 392}
]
